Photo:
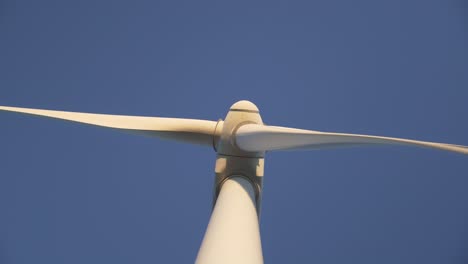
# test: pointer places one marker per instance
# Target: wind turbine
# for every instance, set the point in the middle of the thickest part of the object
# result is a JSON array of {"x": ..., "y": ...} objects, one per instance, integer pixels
[{"x": 240, "y": 141}]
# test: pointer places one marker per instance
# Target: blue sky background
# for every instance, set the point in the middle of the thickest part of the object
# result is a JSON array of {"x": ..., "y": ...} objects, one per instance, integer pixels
[{"x": 78, "y": 194}]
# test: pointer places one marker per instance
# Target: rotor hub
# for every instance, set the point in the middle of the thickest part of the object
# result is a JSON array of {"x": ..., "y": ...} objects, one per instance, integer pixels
[
  {"x": 241, "y": 113},
  {"x": 233, "y": 161}
]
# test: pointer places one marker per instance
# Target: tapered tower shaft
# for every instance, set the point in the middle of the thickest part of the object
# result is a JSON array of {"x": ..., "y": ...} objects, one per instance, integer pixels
[{"x": 233, "y": 234}]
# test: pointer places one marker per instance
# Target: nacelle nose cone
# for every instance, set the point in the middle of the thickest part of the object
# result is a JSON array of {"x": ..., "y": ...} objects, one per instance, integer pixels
[{"x": 244, "y": 105}]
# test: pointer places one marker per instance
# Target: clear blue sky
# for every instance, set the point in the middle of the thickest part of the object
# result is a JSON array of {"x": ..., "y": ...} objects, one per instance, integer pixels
[{"x": 78, "y": 194}]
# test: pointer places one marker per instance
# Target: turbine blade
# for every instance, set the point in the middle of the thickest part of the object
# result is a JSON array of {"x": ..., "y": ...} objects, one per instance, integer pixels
[
  {"x": 255, "y": 138},
  {"x": 188, "y": 130}
]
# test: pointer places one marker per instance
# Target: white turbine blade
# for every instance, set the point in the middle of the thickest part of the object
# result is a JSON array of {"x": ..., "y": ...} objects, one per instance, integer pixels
[
  {"x": 255, "y": 138},
  {"x": 189, "y": 130}
]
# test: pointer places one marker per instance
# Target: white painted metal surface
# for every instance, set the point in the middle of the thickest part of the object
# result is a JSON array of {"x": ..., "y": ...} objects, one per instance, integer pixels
[{"x": 233, "y": 234}]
